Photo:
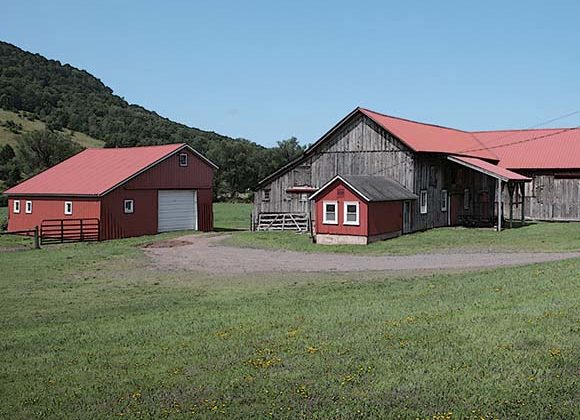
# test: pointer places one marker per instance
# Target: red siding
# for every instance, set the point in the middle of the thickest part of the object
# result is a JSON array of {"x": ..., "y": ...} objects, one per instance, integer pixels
[
  {"x": 49, "y": 208},
  {"x": 142, "y": 189},
  {"x": 333, "y": 194},
  {"x": 385, "y": 217},
  {"x": 170, "y": 176},
  {"x": 197, "y": 175}
]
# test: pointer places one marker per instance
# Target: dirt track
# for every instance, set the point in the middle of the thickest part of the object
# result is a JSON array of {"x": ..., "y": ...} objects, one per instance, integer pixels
[{"x": 205, "y": 253}]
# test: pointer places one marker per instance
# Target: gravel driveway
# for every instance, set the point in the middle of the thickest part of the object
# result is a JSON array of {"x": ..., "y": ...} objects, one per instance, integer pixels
[{"x": 206, "y": 253}]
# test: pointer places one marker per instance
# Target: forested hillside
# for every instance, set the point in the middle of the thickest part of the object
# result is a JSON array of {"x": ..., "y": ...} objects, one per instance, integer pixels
[{"x": 65, "y": 99}]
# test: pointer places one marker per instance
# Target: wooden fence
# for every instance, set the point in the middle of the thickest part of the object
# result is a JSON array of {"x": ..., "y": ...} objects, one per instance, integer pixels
[{"x": 59, "y": 231}]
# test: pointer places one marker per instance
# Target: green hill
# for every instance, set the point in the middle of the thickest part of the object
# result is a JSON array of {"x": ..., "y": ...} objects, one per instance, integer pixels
[
  {"x": 15, "y": 124},
  {"x": 36, "y": 92}
]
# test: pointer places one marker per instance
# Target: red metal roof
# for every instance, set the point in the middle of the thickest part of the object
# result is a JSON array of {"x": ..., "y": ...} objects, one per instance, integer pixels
[
  {"x": 423, "y": 137},
  {"x": 557, "y": 148},
  {"x": 94, "y": 172},
  {"x": 489, "y": 168}
]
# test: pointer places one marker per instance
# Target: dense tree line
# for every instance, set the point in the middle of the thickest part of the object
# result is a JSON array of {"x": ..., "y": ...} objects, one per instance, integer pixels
[{"x": 65, "y": 97}]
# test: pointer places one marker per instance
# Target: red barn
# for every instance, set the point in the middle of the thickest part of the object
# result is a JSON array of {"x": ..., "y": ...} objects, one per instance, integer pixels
[
  {"x": 361, "y": 209},
  {"x": 130, "y": 191}
]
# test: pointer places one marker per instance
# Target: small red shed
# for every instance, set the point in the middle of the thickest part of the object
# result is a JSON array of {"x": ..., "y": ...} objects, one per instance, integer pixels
[
  {"x": 130, "y": 191},
  {"x": 358, "y": 210}
]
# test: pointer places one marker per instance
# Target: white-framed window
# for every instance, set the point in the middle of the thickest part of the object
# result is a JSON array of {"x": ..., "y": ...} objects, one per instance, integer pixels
[
  {"x": 351, "y": 213},
  {"x": 330, "y": 213},
  {"x": 28, "y": 208},
  {"x": 183, "y": 159},
  {"x": 303, "y": 197},
  {"x": 423, "y": 201},
  {"x": 16, "y": 207},
  {"x": 128, "y": 206},
  {"x": 444, "y": 198},
  {"x": 68, "y": 208},
  {"x": 466, "y": 199},
  {"x": 266, "y": 195}
]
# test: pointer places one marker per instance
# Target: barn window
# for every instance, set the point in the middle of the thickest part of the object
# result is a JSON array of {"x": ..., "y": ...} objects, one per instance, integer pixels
[
  {"x": 443, "y": 200},
  {"x": 304, "y": 197},
  {"x": 266, "y": 195},
  {"x": 28, "y": 208},
  {"x": 330, "y": 213},
  {"x": 466, "y": 199},
  {"x": 68, "y": 208},
  {"x": 183, "y": 159},
  {"x": 16, "y": 206},
  {"x": 423, "y": 201},
  {"x": 128, "y": 206},
  {"x": 351, "y": 213}
]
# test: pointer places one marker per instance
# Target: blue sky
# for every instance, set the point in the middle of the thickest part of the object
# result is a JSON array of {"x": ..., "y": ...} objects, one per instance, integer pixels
[{"x": 270, "y": 70}]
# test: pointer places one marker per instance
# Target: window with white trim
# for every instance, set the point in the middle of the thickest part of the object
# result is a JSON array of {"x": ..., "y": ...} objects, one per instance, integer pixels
[
  {"x": 16, "y": 207},
  {"x": 28, "y": 208},
  {"x": 444, "y": 199},
  {"x": 183, "y": 159},
  {"x": 423, "y": 201},
  {"x": 128, "y": 206},
  {"x": 68, "y": 208},
  {"x": 466, "y": 199},
  {"x": 330, "y": 213},
  {"x": 351, "y": 213},
  {"x": 266, "y": 195},
  {"x": 303, "y": 197}
]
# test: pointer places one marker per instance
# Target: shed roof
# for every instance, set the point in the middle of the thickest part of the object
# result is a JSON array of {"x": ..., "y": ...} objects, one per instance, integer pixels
[
  {"x": 371, "y": 188},
  {"x": 94, "y": 172},
  {"x": 489, "y": 168}
]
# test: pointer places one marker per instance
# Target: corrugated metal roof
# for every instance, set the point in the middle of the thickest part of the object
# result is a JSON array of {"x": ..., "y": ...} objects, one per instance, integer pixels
[
  {"x": 423, "y": 137},
  {"x": 489, "y": 168},
  {"x": 94, "y": 172},
  {"x": 557, "y": 148},
  {"x": 372, "y": 188}
]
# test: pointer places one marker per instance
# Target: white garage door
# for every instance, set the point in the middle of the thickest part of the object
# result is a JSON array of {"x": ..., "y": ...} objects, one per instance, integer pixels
[{"x": 177, "y": 210}]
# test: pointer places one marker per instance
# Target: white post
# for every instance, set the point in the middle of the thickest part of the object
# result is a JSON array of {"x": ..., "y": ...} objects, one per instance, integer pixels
[{"x": 499, "y": 205}]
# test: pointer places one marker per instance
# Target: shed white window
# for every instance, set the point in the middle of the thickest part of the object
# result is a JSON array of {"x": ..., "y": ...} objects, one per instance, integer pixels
[
  {"x": 68, "y": 207},
  {"x": 28, "y": 208},
  {"x": 351, "y": 213},
  {"x": 266, "y": 195},
  {"x": 444, "y": 199},
  {"x": 330, "y": 216},
  {"x": 16, "y": 207},
  {"x": 303, "y": 197},
  {"x": 128, "y": 206},
  {"x": 423, "y": 201},
  {"x": 466, "y": 199},
  {"x": 183, "y": 159}
]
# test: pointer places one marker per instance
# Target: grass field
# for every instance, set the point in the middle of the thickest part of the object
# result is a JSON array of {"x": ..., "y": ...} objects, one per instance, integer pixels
[
  {"x": 8, "y": 137},
  {"x": 94, "y": 331},
  {"x": 232, "y": 216},
  {"x": 534, "y": 237}
]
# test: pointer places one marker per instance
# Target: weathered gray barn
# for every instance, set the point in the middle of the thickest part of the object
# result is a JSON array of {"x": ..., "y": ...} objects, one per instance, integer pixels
[{"x": 456, "y": 175}]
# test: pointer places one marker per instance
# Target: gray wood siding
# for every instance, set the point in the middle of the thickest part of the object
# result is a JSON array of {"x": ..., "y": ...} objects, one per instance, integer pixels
[
  {"x": 549, "y": 197},
  {"x": 360, "y": 147}
]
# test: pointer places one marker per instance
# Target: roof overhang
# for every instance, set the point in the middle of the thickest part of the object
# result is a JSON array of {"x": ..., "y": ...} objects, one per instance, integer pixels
[{"x": 489, "y": 169}]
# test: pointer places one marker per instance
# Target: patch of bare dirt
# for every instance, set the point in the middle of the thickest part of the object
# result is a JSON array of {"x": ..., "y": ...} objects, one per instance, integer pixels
[{"x": 205, "y": 253}]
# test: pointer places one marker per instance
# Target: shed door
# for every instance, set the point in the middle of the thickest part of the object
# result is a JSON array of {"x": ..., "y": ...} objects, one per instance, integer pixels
[{"x": 177, "y": 210}]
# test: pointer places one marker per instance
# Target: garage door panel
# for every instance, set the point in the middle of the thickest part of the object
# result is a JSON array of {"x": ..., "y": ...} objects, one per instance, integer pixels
[{"x": 177, "y": 210}]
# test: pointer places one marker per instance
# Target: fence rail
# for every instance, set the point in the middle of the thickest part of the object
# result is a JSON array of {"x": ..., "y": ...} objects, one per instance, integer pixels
[
  {"x": 28, "y": 232},
  {"x": 59, "y": 231}
]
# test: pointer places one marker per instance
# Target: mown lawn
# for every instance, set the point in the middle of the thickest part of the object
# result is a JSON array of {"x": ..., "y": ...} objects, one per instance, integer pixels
[
  {"x": 534, "y": 237},
  {"x": 93, "y": 331},
  {"x": 232, "y": 216}
]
